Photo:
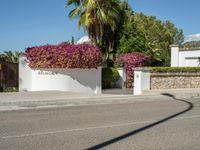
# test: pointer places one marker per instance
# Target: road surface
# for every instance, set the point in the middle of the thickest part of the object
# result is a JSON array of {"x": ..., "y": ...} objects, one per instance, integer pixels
[{"x": 151, "y": 125}]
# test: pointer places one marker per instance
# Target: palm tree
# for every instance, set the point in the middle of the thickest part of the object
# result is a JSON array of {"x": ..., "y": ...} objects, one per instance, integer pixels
[
  {"x": 11, "y": 56},
  {"x": 95, "y": 15}
]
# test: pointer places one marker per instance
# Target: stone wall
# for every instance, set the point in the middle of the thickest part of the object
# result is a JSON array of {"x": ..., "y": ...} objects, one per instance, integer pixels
[{"x": 174, "y": 80}]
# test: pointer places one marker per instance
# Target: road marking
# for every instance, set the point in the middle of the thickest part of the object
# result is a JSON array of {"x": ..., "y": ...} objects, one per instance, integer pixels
[{"x": 92, "y": 128}]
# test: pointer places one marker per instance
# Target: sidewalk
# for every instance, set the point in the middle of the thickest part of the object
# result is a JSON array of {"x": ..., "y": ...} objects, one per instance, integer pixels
[
  {"x": 180, "y": 93},
  {"x": 30, "y": 100}
]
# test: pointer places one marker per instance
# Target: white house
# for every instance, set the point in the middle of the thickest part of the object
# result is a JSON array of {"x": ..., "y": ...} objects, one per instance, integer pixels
[
  {"x": 84, "y": 39},
  {"x": 185, "y": 57}
]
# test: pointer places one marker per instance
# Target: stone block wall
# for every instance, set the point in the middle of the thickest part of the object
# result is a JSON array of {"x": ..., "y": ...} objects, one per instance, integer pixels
[{"x": 174, "y": 80}]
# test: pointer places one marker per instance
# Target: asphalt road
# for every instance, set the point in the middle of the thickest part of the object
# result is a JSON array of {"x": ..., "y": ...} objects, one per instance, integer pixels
[{"x": 154, "y": 125}]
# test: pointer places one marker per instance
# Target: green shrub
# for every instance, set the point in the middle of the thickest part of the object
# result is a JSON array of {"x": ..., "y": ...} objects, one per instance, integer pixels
[
  {"x": 9, "y": 89},
  {"x": 174, "y": 69},
  {"x": 109, "y": 77}
]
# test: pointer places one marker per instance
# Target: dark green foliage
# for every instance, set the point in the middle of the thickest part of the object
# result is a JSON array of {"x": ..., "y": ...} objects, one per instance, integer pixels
[
  {"x": 9, "y": 89},
  {"x": 110, "y": 39},
  {"x": 175, "y": 33},
  {"x": 72, "y": 40},
  {"x": 109, "y": 76},
  {"x": 149, "y": 35},
  {"x": 11, "y": 56},
  {"x": 174, "y": 69}
]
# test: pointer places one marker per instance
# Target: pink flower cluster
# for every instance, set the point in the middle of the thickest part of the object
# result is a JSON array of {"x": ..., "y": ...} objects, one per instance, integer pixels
[
  {"x": 64, "y": 55},
  {"x": 131, "y": 61}
]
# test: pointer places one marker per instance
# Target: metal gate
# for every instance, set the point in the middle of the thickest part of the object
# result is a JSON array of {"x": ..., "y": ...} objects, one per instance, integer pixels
[{"x": 8, "y": 74}]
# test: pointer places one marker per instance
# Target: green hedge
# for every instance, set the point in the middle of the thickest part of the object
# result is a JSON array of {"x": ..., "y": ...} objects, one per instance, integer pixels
[
  {"x": 174, "y": 69},
  {"x": 109, "y": 76}
]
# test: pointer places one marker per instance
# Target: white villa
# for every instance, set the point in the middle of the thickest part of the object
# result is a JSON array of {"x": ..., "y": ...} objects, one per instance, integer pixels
[
  {"x": 84, "y": 39},
  {"x": 184, "y": 57}
]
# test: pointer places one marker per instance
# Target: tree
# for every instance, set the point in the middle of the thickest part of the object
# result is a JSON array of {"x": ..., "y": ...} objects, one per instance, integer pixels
[
  {"x": 113, "y": 26},
  {"x": 149, "y": 35},
  {"x": 103, "y": 20},
  {"x": 110, "y": 39},
  {"x": 95, "y": 15},
  {"x": 176, "y": 34},
  {"x": 72, "y": 40},
  {"x": 11, "y": 56}
]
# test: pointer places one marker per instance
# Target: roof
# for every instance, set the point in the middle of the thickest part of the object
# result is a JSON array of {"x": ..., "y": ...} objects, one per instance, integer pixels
[
  {"x": 190, "y": 49},
  {"x": 84, "y": 39}
]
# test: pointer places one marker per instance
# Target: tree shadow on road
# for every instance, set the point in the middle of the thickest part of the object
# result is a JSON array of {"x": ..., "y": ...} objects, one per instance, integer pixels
[{"x": 126, "y": 135}]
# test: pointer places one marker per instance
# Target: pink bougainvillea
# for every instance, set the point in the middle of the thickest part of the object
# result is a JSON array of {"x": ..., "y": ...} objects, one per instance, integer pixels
[
  {"x": 64, "y": 56},
  {"x": 131, "y": 61}
]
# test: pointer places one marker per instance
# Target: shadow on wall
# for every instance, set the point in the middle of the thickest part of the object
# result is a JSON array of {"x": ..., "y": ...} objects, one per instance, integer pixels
[
  {"x": 20, "y": 83},
  {"x": 134, "y": 132}
]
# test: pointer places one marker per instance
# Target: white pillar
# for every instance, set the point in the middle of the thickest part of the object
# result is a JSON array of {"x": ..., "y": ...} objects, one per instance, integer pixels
[
  {"x": 174, "y": 55},
  {"x": 98, "y": 81},
  {"x": 141, "y": 80},
  {"x": 124, "y": 80}
]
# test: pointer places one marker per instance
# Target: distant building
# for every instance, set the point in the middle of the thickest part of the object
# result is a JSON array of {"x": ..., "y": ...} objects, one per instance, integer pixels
[
  {"x": 185, "y": 57},
  {"x": 84, "y": 39}
]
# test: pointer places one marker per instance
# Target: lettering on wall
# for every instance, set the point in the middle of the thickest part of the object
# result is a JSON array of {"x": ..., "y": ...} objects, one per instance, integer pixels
[{"x": 47, "y": 73}]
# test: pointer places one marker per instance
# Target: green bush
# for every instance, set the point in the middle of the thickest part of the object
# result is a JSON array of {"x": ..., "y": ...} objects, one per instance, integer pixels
[
  {"x": 174, "y": 69},
  {"x": 9, "y": 89},
  {"x": 109, "y": 77}
]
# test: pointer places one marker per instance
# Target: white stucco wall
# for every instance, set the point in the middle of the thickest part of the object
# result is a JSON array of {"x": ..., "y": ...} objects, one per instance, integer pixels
[
  {"x": 184, "y": 57},
  {"x": 122, "y": 79},
  {"x": 74, "y": 80},
  {"x": 25, "y": 75},
  {"x": 141, "y": 81},
  {"x": 174, "y": 56},
  {"x": 189, "y": 58}
]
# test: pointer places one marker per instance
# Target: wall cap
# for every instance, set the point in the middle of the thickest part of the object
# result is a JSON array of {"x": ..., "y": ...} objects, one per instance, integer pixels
[
  {"x": 174, "y": 45},
  {"x": 176, "y": 74},
  {"x": 144, "y": 69},
  {"x": 52, "y": 69}
]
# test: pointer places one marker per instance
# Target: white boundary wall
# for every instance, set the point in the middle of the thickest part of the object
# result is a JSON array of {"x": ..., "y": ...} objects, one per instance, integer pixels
[
  {"x": 185, "y": 57},
  {"x": 73, "y": 80}
]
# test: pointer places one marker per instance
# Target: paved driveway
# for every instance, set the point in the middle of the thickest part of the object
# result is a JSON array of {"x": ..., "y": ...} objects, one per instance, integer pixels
[{"x": 125, "y": 91}]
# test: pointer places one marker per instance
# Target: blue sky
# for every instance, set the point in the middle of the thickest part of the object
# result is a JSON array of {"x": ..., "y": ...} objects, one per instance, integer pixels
[{"x": 26, "y": 23}]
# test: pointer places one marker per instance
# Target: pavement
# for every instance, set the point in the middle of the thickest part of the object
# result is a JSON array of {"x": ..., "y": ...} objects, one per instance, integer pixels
[
  {"x": 45, "y": 99},
  {"x": 159, "y": 123}
]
